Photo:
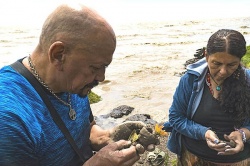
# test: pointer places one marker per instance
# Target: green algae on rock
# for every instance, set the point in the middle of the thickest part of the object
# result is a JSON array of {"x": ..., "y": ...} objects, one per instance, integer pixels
[{"x": 94, "y": 98}]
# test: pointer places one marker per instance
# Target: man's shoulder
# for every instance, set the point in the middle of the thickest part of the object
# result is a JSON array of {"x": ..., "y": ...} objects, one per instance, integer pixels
[{"x": 15, "y": 92}]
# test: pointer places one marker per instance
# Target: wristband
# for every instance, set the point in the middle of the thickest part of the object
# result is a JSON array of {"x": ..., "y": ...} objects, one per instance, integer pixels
[{"x": 243, "y": 134}]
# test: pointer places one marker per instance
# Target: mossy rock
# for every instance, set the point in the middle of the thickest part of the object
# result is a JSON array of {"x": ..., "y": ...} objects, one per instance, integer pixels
[
  {"x": 246, "y": 58},
  {"x": 94, "y": 98}
]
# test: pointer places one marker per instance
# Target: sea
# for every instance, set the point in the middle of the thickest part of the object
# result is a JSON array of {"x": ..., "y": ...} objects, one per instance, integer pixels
[{"x": 132, "y": 38}]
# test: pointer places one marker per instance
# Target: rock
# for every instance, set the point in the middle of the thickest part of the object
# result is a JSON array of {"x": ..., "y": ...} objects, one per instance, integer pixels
[
  {"x": 200, "y": 53},
  {"x": 190, "y": 61},
  {"x": 120, "y": 111},
  {"x": 115, "y": 117},
  {"x": 107, "y": 122},
  {"x": 142, "y": 117}
]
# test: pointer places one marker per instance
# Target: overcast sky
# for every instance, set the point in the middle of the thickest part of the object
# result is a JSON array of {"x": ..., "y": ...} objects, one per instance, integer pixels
[{"x": 32, "y": 12}]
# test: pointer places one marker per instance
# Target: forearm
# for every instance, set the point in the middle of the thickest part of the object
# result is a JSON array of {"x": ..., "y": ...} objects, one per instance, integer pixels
[
  {"x": 180, "y": 110},
  {"x": 99, "y": 137},
  {"x": 185, "y": 126},
  {"x": 190, "y": 129}
]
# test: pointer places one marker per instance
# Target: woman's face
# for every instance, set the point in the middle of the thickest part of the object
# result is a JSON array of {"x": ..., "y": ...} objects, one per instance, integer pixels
[{"x": 222, "y": 65}]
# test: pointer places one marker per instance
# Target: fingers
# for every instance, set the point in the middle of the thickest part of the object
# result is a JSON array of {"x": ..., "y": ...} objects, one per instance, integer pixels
[
  {"x": 128, "y": 155},
  {"x": 118, "y": 153},
  {"x": 226, "y": 148},
  {"x": 235, "y": 141},
  {"x": 139, "y": 148},
  {"x": 220, "y": 146},
  {"x": 121, "y": 144},
  {"x": 232, "y": 145},
  {"x": 213, "y": 141},
  {"x": 131, "y": 157},
  {"x": 122, "y": 148},
  {"x": 211, "y": 136},
  {"x": 230, "y": 151}
]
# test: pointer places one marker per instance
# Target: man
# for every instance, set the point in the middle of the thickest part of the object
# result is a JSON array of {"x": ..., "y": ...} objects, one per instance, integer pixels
[{"x": 76, "y": 46}]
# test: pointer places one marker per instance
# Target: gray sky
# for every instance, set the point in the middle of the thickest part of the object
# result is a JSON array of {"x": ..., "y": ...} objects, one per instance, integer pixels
[{"x": 30, "y": 12}]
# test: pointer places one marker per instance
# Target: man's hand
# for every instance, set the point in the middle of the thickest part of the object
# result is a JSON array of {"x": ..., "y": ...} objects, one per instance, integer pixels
[
  {"x": 145, "y": 135},
  {"x": 117, "y": 153}
]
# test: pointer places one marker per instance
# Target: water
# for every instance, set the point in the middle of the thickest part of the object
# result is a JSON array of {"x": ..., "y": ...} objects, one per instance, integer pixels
[{"x": 136, "y": 38}]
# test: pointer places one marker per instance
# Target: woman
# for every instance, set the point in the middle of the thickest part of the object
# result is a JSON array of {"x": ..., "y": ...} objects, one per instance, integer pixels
[{"x": 210, "y": 113}]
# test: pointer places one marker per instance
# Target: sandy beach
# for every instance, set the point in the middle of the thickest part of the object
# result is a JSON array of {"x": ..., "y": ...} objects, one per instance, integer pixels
[{"x": 146, "y": 63}]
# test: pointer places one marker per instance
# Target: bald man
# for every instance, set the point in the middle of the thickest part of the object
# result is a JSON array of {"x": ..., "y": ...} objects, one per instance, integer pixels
[{"x": 76, "y": 45}]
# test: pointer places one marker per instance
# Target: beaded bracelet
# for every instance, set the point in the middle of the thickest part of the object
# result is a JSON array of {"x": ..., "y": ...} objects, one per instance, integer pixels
[{"x": 244, "y": 139}]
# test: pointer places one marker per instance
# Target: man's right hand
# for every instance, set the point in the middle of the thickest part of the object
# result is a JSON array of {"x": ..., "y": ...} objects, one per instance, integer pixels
[{"x": 118, "y": 153}]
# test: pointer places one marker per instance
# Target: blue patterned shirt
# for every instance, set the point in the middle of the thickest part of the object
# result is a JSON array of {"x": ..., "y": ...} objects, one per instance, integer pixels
[{"x": 28, "y": 134}]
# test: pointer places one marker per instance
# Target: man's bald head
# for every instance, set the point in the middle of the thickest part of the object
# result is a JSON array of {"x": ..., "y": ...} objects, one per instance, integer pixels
[{"x": 75, "y": 25}]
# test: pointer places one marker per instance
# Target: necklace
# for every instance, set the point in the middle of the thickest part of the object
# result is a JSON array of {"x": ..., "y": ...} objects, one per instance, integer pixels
[
  {"x": 72, "y": 112},
  {"x": 218, "y": 87},
  {"x": 208, "y": 81}
]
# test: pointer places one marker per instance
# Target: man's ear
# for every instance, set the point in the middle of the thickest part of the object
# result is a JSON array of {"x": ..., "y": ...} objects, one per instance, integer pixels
[{"x": 57, "y": 54}]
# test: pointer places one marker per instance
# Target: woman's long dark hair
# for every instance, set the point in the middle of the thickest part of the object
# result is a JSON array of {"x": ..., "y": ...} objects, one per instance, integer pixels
[{"x": 235, "y": 97}]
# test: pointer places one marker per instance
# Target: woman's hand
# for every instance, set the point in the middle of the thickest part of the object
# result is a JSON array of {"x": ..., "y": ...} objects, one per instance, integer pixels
[
  {"x": 233, "y": 146},
  {"x": 214, "y": 142},
  {"x": 239, "y": 145}
]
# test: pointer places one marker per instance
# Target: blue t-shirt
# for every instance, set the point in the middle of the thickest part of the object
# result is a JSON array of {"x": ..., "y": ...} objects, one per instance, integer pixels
[{"x": 28, "y": 134}]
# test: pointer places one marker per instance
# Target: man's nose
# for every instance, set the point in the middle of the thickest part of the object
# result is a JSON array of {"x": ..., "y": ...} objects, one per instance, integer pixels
[{"x": 100, "y": 76}]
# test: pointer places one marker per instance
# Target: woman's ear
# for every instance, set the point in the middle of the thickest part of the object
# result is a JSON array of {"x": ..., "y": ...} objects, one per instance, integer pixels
[
  {"x": 56, "y": 54},
  {"x": 207, "y": 56}
]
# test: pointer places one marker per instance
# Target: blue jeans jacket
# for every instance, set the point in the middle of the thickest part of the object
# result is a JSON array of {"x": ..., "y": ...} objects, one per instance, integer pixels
[{"x": 186, "y": 99}]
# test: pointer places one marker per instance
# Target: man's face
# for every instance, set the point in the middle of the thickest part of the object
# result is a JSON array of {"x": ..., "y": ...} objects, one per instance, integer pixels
[{"x": 84, "y": 69}]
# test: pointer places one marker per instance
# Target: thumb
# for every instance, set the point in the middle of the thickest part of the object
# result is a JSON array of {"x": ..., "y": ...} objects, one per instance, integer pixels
[
  {"x": 215, "y": 139},
  {"x": 210, "y": 135},
  {"x": 139, "y": 148},
  {"x": 226, "y": 137}
]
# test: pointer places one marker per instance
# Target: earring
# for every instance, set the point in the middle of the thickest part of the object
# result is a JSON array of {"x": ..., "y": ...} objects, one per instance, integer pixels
[{"x": 236, "y": 74}]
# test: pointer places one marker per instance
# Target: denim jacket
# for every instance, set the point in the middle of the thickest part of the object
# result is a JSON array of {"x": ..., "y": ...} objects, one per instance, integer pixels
[{"x": 186, "y": 100}]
